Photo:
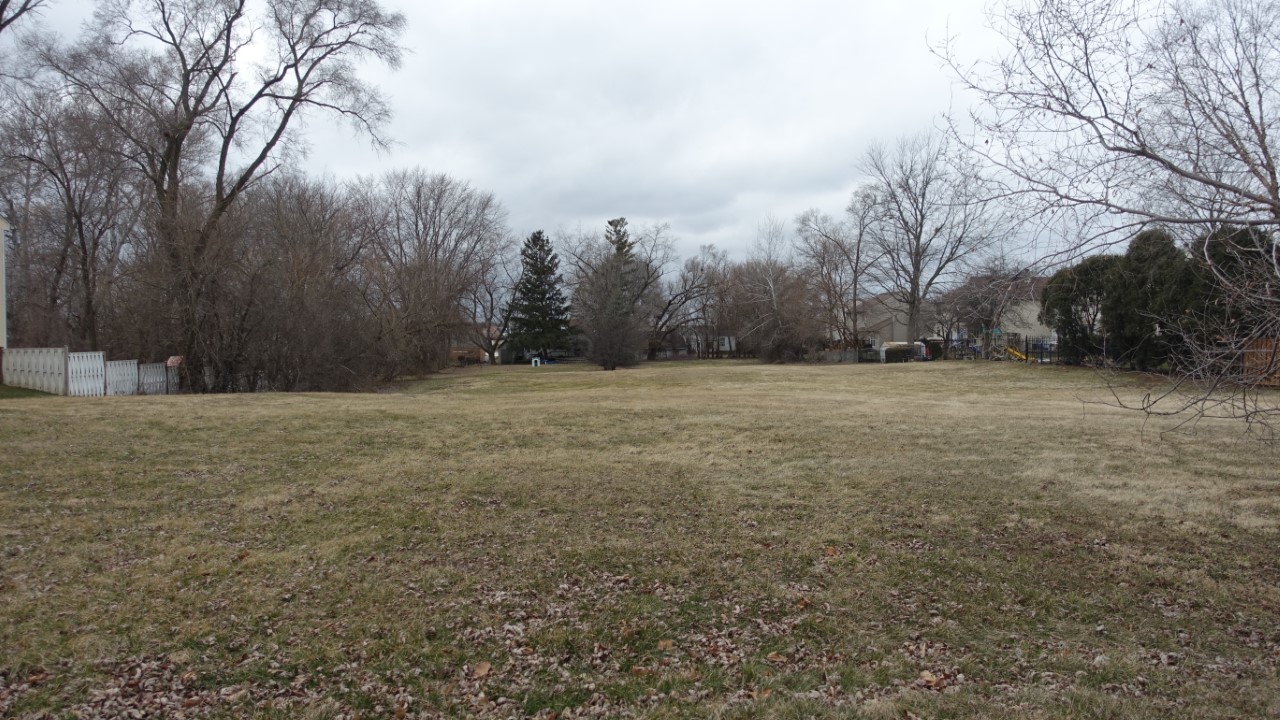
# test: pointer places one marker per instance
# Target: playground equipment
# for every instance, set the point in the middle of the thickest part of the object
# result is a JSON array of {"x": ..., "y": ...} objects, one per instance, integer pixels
[{"x": 1014, "y": 353}]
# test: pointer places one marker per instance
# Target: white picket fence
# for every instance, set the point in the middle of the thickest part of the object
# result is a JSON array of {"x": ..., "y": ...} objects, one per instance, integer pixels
[{"x": 85, "y": 374}]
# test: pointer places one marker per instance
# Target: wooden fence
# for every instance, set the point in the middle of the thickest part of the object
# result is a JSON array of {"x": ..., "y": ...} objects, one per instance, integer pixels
[
  {"x": 153, "y": 379},
  {"x": 122, "y": 377},
  {"x": 1262, "y": 362},
  {"x": 86, "y": 374},
  {"x": 43, "y": 369}
]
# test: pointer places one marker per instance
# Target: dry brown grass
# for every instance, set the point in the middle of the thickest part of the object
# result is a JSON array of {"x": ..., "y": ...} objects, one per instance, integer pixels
[{"x": 706, "y": 540}]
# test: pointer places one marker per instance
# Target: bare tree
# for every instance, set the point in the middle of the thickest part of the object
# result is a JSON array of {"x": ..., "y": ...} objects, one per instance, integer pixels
[
  {"x": 37, "y": 262},
  {"x": 432, "y": 239},
  {"x": 707, "y": 322},
  {"x": 487, "y": 303},
  {"x": 670, "y": 306},
  {"x": 838, "y": 256},
  {"x": 988, "y": 298},
  {"x": 202, "y": 122},
  {"x": 613, "y": 279},
  {"x": 776, "y": 309},
  {"x": 1122, "y": 114},
  {"x": 88, "y": 195},
  {"x": 304, "y": 282},
  {"x": 930, "y": 216},
  {"x": 948, "y": 317},
  {"x": 651, "y": 246},
  {"x": 12, "y": 10},
  {"x": 1108, "y": 115}
]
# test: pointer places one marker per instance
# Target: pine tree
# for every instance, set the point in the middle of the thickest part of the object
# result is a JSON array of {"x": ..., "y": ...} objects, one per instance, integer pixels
[
  {"x": 607, "y": 300},
  {"x": 539, "y": 312},
  {"x": 618, "y": 237},
  {"x": 1139, "y": 304},
  {"x": 1071, "y": 304}
]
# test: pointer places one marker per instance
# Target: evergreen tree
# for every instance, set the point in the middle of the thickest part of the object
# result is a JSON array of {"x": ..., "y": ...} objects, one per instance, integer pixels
[
  {"x": 539, "y": 312},
  {"x": 1231, "y": 270},
  {"x": 607, "y": 301},
  {"x": 1071, "y": 304},
  {"x": 619, "y": 238},
  {"x": 1143, "y": 302}
]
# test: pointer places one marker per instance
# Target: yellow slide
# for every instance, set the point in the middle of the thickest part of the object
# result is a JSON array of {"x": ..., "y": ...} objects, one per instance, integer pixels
[{"x": 1014, "y": 352}]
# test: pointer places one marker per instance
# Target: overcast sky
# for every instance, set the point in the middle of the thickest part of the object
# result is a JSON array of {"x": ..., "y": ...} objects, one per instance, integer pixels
[{"x": 709, "y": 115}]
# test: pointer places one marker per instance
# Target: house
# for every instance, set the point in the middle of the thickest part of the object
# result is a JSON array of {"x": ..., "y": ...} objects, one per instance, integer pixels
[
  {"x": 990, "y": 313},
  {"x": 703, "y": 343},
  {"x": 464, "y": 348},
  {"x": 883, "y": 319},
  {"x": 1022, "y": 315}
]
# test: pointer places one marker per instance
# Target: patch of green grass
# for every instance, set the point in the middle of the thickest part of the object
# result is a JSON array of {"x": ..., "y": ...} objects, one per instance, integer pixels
[{"x": 8, "y": 392}]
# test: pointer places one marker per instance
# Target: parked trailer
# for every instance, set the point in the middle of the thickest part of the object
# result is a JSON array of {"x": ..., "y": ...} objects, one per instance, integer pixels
[{"x": 905, "y": 351}]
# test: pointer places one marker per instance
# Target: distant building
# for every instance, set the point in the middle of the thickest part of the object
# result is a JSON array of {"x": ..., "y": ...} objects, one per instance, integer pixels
[
  {"x": 701, "y": 343},
  {"x": 464, "y": 350},
  {"x": 983, "y": 313},
  {"x": 883, "y": 319}
]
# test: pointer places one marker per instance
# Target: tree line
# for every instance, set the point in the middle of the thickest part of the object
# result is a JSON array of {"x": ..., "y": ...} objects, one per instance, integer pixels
[
  {"x": 150, "y": 170},
  {"x": 916, "y": 227},
  {"x": 152, "y": 179},
  {"x": 1160, "y": 305}
]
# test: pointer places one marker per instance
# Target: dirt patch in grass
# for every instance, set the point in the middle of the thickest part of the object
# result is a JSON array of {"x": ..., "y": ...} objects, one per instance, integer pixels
[{"x": 705, "y": 540}]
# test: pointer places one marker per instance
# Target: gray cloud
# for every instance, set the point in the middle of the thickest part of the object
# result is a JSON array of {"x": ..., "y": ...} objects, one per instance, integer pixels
[{"x": 707, "y": 115}]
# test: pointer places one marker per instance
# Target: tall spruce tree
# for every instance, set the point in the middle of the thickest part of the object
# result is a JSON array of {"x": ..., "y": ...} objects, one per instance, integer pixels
[
  {"x": 607, "y": 301},
  {"x": 539, "y": 312}
]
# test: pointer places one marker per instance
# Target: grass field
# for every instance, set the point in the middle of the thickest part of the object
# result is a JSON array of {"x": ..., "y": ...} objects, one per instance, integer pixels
[
  {"x": 679, "y": 540},
  {"x": 14, "y": 393}
]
